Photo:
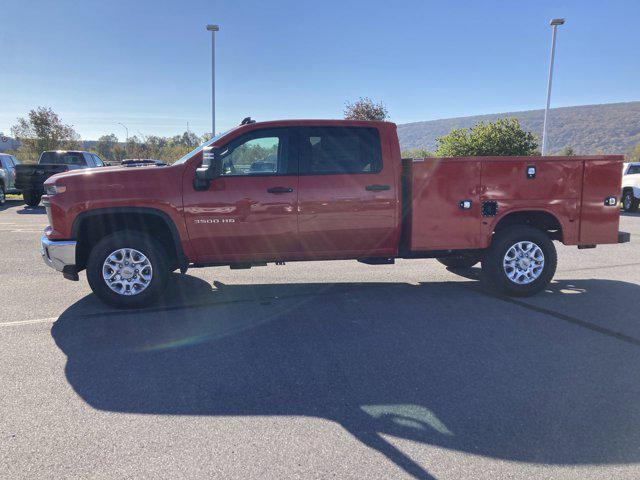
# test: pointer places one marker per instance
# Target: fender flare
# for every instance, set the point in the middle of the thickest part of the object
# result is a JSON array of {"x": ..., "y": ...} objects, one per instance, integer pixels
[
  {"x": 177, "y": 241},
  {"x": 506, "y": 213}
]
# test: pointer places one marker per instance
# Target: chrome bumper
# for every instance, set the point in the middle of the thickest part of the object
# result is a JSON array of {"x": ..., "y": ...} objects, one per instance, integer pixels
[{"x": 58, "y": 254}]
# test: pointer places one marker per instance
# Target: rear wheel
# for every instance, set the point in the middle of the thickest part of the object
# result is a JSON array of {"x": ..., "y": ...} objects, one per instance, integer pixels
[
  {"x": 629, "y": 202},
  {"x": 460, "y": 261},
  {"x": 521, "y": 261},
  {"x": 3, "y": 196},
  {"x": 31, "y": 198},
  {"x": 127, "y": 269}
]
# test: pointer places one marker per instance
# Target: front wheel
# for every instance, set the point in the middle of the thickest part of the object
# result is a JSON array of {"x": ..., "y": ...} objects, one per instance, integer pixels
[
  {"x": 3, "y": 195},
  {"x": 629, "y": 202},
  {"x": 31, "y": 198},
  {"x": 520, "y": 262},
  {"x": 127, "y": 269}
]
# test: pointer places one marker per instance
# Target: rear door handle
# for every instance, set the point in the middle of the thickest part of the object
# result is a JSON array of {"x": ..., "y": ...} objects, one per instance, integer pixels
[
  {"x": 280, "y": 190},
  {"x": 377, "y": 188}
]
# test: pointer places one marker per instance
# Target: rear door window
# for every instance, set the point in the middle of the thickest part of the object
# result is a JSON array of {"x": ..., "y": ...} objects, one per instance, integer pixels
[
  {"x": 339, "y": 150},
  {"x": 633, "y": 169}
]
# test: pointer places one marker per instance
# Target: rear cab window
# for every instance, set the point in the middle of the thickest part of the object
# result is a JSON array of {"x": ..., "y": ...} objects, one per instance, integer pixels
[{"x": 62, "y": 158}]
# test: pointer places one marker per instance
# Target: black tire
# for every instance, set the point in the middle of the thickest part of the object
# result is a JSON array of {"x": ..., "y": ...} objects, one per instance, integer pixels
[
  {"x": 629, "y": 202},
  {"x": 497, "y": 275},
  {"x": 141, "y": 242},
  {"x": 460, "y": 261},
  {"x": 31, "y": 198},
  {"x": 3, "y": 194}
]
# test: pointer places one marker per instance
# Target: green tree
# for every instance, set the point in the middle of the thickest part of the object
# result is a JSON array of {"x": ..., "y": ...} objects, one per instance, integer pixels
[
  {"x": 503, "y": 137},
  {"x": 365, "y": 109},
  {"x": 567, "y": 152},
  {"x": 634, "y": 155},
  {"x": 416, "y": 153},
  {"x": 43, "y": 130},
  {"x": 107, "y": 147},
  {"x": 188, "y": 139}
]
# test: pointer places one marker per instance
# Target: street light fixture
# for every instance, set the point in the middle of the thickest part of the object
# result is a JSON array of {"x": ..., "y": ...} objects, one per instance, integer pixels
[
  {"x": 213, "y": 29},
  {"x": 554, "y": 25},
  {"x": 127, "y": 136}
]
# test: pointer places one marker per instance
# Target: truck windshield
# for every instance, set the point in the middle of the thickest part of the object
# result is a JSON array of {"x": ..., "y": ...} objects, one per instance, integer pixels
[
  {"x": 199, "y": 149},
  {"x": 62, "y": 158}
]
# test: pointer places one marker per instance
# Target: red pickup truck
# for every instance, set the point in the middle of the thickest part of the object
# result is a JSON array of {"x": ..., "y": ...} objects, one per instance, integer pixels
[{"x": 325, "y": 190}]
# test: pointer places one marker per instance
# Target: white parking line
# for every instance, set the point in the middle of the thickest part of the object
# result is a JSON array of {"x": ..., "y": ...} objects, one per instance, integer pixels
[{"x": 28, "y": 322}]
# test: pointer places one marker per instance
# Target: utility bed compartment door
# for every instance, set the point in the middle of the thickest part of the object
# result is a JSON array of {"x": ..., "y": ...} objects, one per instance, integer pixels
[
  {"x": 505, "y": 180},
  {"x": 599, "y": 222},
  {"x": 438, "y": 219}
]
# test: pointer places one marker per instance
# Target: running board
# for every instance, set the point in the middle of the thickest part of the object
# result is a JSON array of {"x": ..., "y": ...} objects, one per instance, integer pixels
[{"x": 377, "y": 261}]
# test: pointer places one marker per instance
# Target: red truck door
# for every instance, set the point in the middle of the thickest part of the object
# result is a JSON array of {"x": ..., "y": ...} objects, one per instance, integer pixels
[
  {"x": 250, "y": 213},
  {"x": 348, "y": 200}
]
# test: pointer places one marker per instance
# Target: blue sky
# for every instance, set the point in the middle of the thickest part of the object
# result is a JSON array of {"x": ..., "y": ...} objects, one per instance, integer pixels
[{"x": 147, "y": 63}]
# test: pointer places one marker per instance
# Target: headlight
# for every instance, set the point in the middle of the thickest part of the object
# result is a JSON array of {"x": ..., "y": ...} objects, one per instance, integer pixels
[{"x": 55, "y": 189}]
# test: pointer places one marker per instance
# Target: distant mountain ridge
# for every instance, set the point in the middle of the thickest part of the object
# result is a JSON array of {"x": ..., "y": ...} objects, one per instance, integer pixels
[{"x": 588, "y": 129}]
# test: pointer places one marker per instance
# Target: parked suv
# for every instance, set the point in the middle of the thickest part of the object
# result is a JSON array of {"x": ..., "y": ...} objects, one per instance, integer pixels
[
  {"x": 30, "y": 178},
  {"x": 7, "y": 175},
  {"x": 631, "y": 187}
]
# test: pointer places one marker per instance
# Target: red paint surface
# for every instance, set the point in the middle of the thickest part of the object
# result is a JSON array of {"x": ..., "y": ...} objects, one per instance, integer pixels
[{"x": 334, "y": 216}]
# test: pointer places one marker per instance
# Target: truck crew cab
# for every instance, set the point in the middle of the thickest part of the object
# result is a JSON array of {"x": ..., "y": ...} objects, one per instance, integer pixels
[{"x": 324, "y": 190}]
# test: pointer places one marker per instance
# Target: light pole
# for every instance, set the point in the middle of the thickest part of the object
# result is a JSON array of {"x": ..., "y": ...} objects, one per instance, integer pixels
[
  {"x": 554, "y": 24},
  {"x": 127, "y": 136},
  {"x": 213, "y": 29}
]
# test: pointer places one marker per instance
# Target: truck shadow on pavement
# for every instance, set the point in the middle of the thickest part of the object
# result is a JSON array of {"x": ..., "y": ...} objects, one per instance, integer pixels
[
  {"x": 10, "y": 203},
  {"x": 435, "y": 363},
  {"x": 26, "y": 210}
]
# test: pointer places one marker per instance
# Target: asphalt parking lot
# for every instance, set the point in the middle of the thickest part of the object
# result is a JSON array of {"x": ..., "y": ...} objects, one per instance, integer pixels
[{"x": 321, "y": 370}]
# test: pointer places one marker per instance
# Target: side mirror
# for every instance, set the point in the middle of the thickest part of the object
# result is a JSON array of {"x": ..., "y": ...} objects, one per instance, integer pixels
[{"x": 210, "y": 170}]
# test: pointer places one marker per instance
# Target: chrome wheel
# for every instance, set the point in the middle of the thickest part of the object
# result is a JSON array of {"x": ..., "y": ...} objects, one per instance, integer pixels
[
  {"x": 523, "y": 263},
  {"x": 627, "y": 201},
  {"x": 127, "y": 271}
]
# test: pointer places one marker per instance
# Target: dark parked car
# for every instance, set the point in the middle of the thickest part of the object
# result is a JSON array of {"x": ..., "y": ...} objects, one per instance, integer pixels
[{"x": 30, "y": 177}]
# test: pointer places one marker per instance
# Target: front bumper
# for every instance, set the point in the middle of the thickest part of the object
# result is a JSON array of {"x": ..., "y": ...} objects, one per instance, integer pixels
[{"x": 60, "y": 255}]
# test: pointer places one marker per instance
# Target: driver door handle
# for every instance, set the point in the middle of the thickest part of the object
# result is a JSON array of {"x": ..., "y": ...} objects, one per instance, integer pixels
[{"x": 279, "y": 190}]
